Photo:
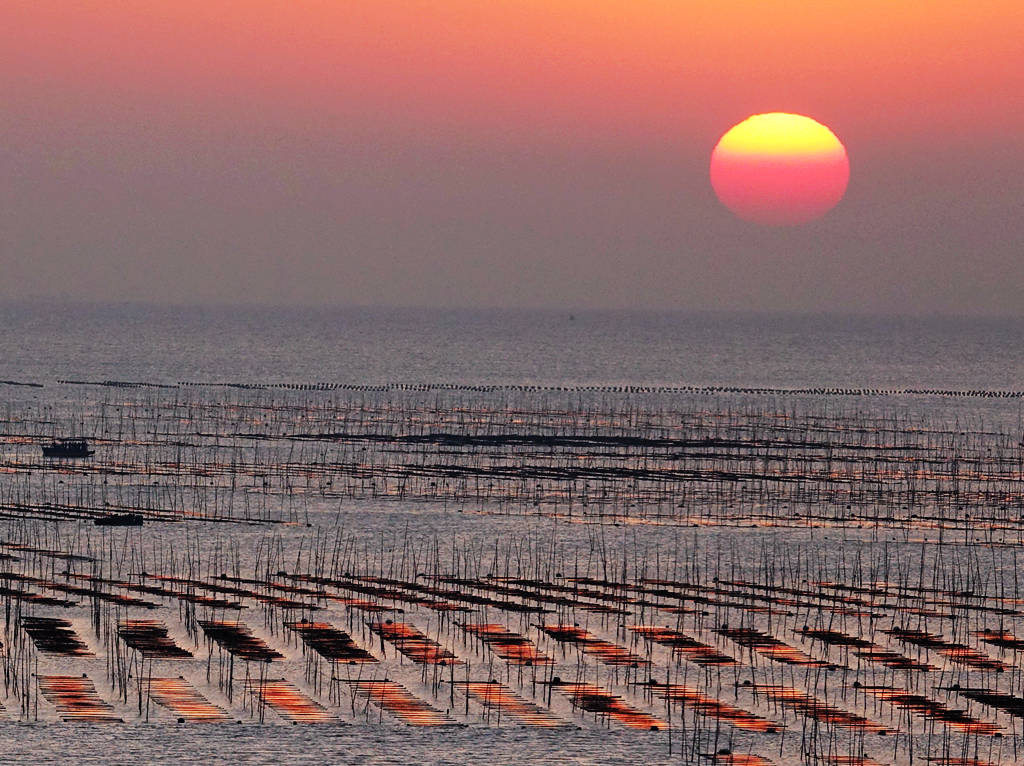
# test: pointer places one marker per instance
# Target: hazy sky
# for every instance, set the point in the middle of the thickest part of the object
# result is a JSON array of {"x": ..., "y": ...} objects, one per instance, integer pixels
[{"x": 504, "y": 152}]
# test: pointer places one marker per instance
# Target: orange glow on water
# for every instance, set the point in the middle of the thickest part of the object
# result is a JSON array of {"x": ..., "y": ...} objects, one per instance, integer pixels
[
  {"x": 694, "y": 699},
  {"x": 414, "y": 644},
  {"x": 594, "y": 699},
  {"x": 929, "y": 709},
  {"x": 818, "y": 710},
  {"x": 607, "y": 652},
  {"x": 76, "y": 699},
  {"x": 184, "y": 700},
  {"x": 511, "y": 647},
  {"x": 497, "y": 697},
  {"x": 397, "y": 700},
  {"x": 288, "y": 702}
]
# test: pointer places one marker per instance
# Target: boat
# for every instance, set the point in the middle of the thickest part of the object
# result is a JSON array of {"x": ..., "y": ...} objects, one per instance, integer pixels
[
  {"x": 68, "y": 448},
  {"x": 119, "y": 520}
]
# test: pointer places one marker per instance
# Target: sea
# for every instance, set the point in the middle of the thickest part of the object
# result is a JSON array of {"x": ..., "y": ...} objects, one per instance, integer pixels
[
  {"x": 965, "y": 372},
  {"x": 46, "y": 341}
]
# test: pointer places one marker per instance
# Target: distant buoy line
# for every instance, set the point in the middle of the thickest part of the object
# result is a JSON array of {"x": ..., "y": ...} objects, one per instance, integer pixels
[{"x": 850, "y": 391}]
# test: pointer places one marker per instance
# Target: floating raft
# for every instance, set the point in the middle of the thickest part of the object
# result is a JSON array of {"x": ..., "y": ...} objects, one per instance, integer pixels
[
  {"x": 496, "y": 696},
  {"x": 18, "y": 594},
  {"x": 895, "y": 660},
  {"x": 48, "y": 552},
  {"x": 1001, "y": 639},
  {"x": 281, "y": 602},
  {"x": 185, "y": 701},
  {"x": 769, "y": 646},
  {"x": 1008, "y": 703},
  {"x": 713, "y": 708},
  {"x": 932, "y": 710},
  {"x": 607, "y": 652},
  {"x": 956, "y": 653},
  {"x": 387, "y": 589},
  {"x": 836, "y": 638},
  {"x": 594, "y": 699},
  {"x": 76, "y": 699},
  {"x": 866, "y": 650},
  {"x": 288, "y": 702},
  {"x": 189, "y": 597},
  {"x": 413, "y": 644},
  {"x": 399, "y": 702},
  {"x": 157, "y": 590},
  {"x": 813, "y": 708},
  {"x": 362, "y": 605},
  {"x": 94, "y": 593},
  {"x": 236, "y": 639},
  {"x": 683, "y": 645},
  {"x": 54, "y": 635},
  {"x": 511, "y": 647},
  {"x": 330, "y": 643},
  {"x": 150, "y": 638}
]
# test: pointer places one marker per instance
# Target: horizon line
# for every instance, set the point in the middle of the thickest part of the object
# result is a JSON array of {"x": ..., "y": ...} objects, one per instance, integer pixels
[{"x": 569, "y": 310}]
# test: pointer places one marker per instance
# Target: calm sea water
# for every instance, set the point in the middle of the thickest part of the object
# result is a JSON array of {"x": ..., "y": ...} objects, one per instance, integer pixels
[{"x": 43, "y": 343}]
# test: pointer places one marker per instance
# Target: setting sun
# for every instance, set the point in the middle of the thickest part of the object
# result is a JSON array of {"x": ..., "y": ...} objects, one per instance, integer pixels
[{"x": 779, "y": 169}]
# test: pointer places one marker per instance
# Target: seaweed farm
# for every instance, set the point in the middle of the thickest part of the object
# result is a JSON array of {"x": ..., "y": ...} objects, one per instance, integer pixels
[
  {"x": 252, "y": 453},
  {"x": 674, "y": 574}
]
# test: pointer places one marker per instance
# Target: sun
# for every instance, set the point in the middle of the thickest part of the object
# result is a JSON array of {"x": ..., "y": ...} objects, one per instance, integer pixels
[{"x": 779, "y": 169}]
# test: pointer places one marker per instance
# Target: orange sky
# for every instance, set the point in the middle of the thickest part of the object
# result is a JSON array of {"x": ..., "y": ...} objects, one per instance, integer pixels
[
  {"x": 504, "y": 152},
  {"x": 623, "y": 67}
]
